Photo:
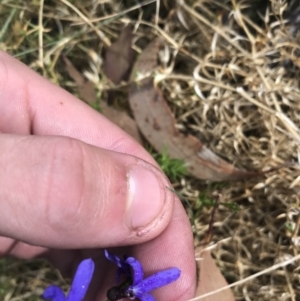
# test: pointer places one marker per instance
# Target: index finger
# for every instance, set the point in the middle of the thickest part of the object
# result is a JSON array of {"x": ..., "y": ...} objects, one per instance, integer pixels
[{"x": 31, "y": 104}]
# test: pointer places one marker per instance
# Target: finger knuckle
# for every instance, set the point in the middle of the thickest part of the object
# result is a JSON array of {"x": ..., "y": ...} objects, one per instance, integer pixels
[{"x": 63, "y": 187}]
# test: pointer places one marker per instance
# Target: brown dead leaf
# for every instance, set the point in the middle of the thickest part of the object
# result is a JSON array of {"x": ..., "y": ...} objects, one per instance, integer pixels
[
  {"x": 156, "y": 122},
  {"x": 210, "y": 278},
  {"x": 85, "y": 88},
  {"x": 87, "y": 92},
  {"x": 122, "y": 120},
  {"x": 119, "y": 57}
]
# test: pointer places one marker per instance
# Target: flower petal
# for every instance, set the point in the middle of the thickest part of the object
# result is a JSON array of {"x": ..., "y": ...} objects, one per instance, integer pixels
[
  {"x": 54, "y": 293},
  {"x": 138, "y": 272},
  {"x": 147, "y": 297},
  {"x": 123, "y": 267},
  {"x": 155, "y": 281},
  {"x": 115, "y": 259},
  {"x": 81, "y": 280}
]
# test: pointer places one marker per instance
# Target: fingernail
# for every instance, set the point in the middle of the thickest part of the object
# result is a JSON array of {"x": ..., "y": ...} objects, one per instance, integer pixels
[{"x": 146, "y": 196}]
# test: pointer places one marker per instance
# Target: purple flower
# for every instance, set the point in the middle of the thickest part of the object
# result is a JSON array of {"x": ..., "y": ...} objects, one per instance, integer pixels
[
  {"x": 123, "y": 267},
  {"x": 137, "y": 287},
  {"x": 79, "y": 286}
]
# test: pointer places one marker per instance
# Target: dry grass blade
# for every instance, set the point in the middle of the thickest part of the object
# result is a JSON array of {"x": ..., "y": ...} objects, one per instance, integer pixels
[{"x": 100, "y": 34}]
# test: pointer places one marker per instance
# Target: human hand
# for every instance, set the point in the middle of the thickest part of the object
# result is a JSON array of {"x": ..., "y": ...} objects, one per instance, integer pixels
[{"x": 73, "y": 183}]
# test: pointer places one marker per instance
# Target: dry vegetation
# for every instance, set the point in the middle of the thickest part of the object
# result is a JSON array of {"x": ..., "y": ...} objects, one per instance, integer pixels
[{"x": 230, "y": 72}]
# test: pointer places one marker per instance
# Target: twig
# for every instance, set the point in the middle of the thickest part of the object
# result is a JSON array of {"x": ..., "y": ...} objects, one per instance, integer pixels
[{"x": 41, "y": 31}]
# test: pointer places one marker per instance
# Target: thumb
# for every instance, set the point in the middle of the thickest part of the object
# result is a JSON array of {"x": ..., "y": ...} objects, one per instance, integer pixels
[{"x": 62, "y": 193}]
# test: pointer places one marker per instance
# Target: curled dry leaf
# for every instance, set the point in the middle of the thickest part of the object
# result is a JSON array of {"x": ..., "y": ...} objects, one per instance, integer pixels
[
  {"x": 156, "y": 122},
  {"x": 119, "y": 57},
  {"x": 87, "y": 93}
]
